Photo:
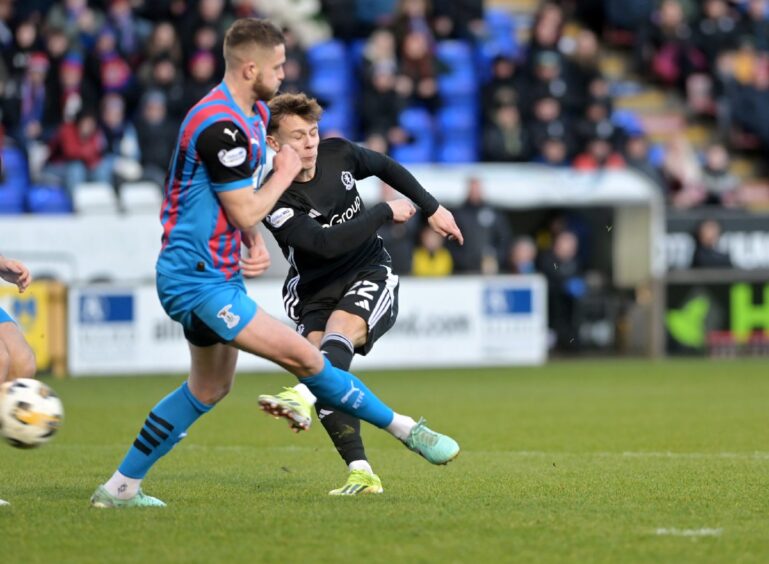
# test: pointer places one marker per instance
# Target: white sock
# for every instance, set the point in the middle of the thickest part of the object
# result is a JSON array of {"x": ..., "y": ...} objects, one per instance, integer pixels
[
  {"x": 401, "y": 426},
  {"x": 122, "y": 487},
  {"x": 306, "y": 394},
  {"x": 360, "y": 465}
]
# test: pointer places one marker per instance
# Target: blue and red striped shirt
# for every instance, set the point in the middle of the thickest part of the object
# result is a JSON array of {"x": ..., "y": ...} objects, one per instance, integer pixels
[{"x": 219, "y": 148}]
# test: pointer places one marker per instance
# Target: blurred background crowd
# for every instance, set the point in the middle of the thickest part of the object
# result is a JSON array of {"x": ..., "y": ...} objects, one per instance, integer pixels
[{"x": 93, "y": 92}]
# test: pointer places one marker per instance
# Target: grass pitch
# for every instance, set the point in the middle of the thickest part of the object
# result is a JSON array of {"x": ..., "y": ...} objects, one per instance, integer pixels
[{"x": 573, "y": 462}]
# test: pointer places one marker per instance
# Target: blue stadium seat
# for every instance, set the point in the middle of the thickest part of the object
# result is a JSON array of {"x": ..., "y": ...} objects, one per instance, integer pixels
[
  {"x": 12, "y": 198},
  {"x": 627, "y": 120},
  {"x": 48, "y": 199},
  {"x": 499, "y": 22},
  {"x": 420, "y": 126},
  {"x": 338, "y": 117},
  {"x": 457, "y": 55},
  {"x": 458, "y": 151},
  {"x": 421, "y": 151},
  {"x": 328, "y": 55},
  {"x": 15, "y": 165},
  {"x": 457, "y": 120},
  {"x": 461, "y": 80}
]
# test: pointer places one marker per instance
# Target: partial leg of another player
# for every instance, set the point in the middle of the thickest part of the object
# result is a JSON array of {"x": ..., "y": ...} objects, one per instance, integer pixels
[
  {"x": 17, "y": 360},
  {"x": 344, "y": 333},
  {"x": 210, "y": 379}
]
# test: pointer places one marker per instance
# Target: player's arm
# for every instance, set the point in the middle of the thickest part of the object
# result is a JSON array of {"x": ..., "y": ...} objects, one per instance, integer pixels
[
  {"x": 370, "y": 163},
  {"x": 15, "y": 272},
  {"x": 297, "y": 229},
  {"x": 223, "y": 148}
]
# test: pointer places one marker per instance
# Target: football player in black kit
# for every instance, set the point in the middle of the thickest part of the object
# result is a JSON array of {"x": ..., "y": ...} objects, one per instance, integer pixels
[{"x": 340, "y": 288}]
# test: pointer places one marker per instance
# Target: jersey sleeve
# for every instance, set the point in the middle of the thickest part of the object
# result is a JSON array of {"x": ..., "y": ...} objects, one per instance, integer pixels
[
  {"x": 293, "y": 227},
  {"x": 370, "y": 163},
  {"x": 223, "y": 149}
]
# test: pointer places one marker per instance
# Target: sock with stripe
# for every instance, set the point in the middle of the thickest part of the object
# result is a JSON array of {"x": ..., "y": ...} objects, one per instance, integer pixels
[
  {"x": 165, "y": 426},
  {"x": 344, "y": 429},
  {"x": 344, "y": 391}
]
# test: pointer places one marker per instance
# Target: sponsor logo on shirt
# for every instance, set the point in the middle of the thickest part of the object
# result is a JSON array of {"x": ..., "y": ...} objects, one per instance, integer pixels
[
  {"x": 233, "y": 157},
  {"x": 347, "y": 180},
  {"x": 346, "y": 215},
  {"x": 280, "y": 217}
]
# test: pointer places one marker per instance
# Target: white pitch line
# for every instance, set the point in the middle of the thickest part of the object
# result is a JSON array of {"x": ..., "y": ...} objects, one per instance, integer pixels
[{"x": 705, "y": 532}]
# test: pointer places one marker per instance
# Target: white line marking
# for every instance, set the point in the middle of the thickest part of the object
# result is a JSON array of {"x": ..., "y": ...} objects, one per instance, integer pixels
[{"x": 689, "y": 532}]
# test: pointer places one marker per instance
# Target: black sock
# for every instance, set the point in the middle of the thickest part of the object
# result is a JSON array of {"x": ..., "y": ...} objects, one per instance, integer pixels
[{"x": 343, "y": 429}]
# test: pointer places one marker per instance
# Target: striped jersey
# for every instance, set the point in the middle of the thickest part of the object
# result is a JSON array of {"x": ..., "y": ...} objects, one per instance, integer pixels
[{"x": 219, "y": 148}]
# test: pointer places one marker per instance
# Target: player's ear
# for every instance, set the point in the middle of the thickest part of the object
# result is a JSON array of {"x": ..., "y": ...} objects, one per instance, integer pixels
[{"x": 273, "y": 143}]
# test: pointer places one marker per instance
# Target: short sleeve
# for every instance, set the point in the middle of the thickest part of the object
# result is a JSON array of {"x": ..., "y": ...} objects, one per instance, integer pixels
[{"x": 223, "y": 149}]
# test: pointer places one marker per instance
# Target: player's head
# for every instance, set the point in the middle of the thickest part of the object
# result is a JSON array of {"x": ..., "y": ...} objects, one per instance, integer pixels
[
  {"x": 254, "y": 52},
  {"x": 294, "y": 121}
]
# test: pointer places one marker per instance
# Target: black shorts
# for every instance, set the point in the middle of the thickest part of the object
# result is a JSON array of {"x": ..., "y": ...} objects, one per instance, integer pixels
[{"x": 372, "y": 295}]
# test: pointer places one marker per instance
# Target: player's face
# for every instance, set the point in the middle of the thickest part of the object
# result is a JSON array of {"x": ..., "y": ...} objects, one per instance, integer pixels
[
  {"x": 269, "y": 73},
  {"x": 302, "y": 136}
]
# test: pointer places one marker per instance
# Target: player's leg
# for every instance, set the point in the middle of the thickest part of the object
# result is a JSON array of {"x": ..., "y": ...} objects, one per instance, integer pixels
[
  {"x": 18, "y": 359},
  {"x": 225, "y": 310},
  {"x": 270, "y": 339}
]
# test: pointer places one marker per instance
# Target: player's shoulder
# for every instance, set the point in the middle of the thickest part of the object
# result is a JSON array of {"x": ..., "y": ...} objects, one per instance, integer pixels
[{"x": 333, "y": 146}]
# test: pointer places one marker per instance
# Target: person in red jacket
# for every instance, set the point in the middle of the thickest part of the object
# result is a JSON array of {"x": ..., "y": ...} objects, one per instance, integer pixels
[{"x": 77, "y": 153}]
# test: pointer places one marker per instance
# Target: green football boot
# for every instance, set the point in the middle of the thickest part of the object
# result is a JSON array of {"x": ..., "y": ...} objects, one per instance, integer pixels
[
  {"x": 434, "y": 447},
  {"x": 360, "y": 482},
  {"x": 288, "y": 404},
  {"x": 102, "y": 499}
]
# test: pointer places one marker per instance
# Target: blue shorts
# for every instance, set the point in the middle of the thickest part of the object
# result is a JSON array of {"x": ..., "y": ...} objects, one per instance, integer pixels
[
  {"x": 5, "y": 317},
  {"x": 209, "y": 313}
]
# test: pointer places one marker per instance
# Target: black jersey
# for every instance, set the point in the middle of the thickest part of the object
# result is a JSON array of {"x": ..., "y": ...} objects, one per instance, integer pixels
[{"x": 322, "y": 226}]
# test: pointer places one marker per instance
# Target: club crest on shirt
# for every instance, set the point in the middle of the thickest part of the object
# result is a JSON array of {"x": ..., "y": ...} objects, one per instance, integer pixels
[
  {"x": 229, "y": 318},
  {"x": 348, "y": 180},
  {"x": 233, "y": 157}
]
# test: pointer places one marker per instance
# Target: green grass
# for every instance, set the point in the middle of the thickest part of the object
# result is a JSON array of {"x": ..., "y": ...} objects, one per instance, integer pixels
[{"x": 572, "y": 462}]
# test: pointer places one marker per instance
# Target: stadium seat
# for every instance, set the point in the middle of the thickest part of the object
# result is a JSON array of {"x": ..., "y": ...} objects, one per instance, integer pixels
[
  {"x": 457, "y": 151},
  {"x": 15, "y": 165},
  {"x": 498, "y": 22},
  {"x": 328, "y": 55},
  {"x": 11, "y": 199},
  {"x": 420, "y": 151},
  {"x": 140, "y": 197},
  {"x": 627, "y": 120},
  {"x": 457, "y": 120},
  {"x": 95, "y": 198},
  {"x": 457, "y": 55},
  {"x": 48, "y": 200}
]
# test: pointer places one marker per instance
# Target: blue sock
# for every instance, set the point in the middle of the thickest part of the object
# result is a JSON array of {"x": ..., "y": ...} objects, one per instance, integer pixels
[
  {"x": 166, "y": 425},
  {"x": 345, "y": 392}
]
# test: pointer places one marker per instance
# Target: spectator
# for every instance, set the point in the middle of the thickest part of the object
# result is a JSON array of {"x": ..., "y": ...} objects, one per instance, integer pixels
[
  {"x": 566, "y": 286},
  {"x": 683, "y": 173},
  {"x": 547, "y": 30},
  {"x": 77, "y": 153},
  {"x": 209, "y": 14},
  {"x": 502, "y": 89},
  {"x": 166, "y": 78},
  {"x": 379, "y": 53},
  {"x": 596, "y": 123},
  {"x": 548, "y": 81},
  {"x": 202, "y": 68},
  {"x": 554, "y": 152},
  {"x": 599, "y": 155},
  {"x": 719, "y": 184},
  {"x": 399, "y": 238},
  {"x": 637, "y": 157},
  {"x": 26, "y": 43},
  {"x": 413, "y": 16},
  {"x": 131, "y": 31},
  {"x": 756, "y": 24},
  {"x": 31, "y": 111},
  {"x": 717, "y": 30},
  {"x": 80, "y": 22},
  {"x": 157, "y": 136},
  {"x": 706, "y": 254},
  {"x": 107, "y": 68},
  {"x": 380, "y": 108},
  {"x": 163, "y": 42},
  {"x": 295, "y": 67},
  {"x": 459, "y": 19},
  {"x": 548, "y": 123},
  {"x": 75, "y": 91},
  {"x": 487, "y": 234},
  {"x": 122, "y": 144},
  {"x": 582, "y": 68},
  {"x": 431, "y": 258},
  {"x": 504, "y": 139},
  {"x": 522, "y": 256},
  {"x": 419, "y": 70}
]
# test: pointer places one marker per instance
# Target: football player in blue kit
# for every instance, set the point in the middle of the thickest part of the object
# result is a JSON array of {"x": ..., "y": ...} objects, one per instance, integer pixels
[{"x": 214, "y": 201}]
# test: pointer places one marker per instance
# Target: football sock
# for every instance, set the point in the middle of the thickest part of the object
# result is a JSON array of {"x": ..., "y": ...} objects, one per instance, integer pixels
[
  {"x": 360, "y": 465},
  {"x": 341, "y": 390},
  {"x": 343, "y": 429},
  {"x": 401, "y": 426},
  {"x": 122, "y": 487},
  {"x": 166, "y": 425},
  {"x": 306, "y": 394},
  {"x": 338, "y": 350}
]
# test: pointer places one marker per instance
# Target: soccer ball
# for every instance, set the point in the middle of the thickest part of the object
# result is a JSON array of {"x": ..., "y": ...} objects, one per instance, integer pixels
[{"x": 30, "y": 413}]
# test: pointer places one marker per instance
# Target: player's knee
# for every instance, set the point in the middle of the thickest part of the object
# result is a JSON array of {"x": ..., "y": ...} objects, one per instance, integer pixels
[
  {"x": 304, "y": 361},
  {"x": 210, "y": 393}
]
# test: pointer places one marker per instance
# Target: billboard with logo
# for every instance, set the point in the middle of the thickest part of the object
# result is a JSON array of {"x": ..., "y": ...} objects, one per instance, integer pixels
[{"x": 459, "y": 321}]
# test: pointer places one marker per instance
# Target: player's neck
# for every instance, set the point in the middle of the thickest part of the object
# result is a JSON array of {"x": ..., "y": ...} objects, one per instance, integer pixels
[
  {"x": 242, "y": 94},
  {"x": 306, "y": 174}
]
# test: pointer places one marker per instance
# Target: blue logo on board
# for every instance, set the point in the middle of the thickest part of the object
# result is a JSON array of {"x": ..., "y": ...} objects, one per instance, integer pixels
[
  {"x": 507, "y": 301},
  {"x": 106, "y": 308}
]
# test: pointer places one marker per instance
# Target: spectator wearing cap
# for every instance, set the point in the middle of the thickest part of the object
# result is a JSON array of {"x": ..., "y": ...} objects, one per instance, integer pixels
[
  {"x": 77, "y": 152},
  {"x": 157, "y": 136},
  {"x": 202, "y": 68}
]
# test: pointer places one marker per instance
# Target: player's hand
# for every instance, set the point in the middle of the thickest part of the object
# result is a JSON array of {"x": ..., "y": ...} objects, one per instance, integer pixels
[
  {"x": 16, "y": 273},
  {"x": 403, "y": 210},
  {"x": 287, "y": 162},
  {"x": 442, "y": 222},
  {"x": 258, "y": 260}
]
